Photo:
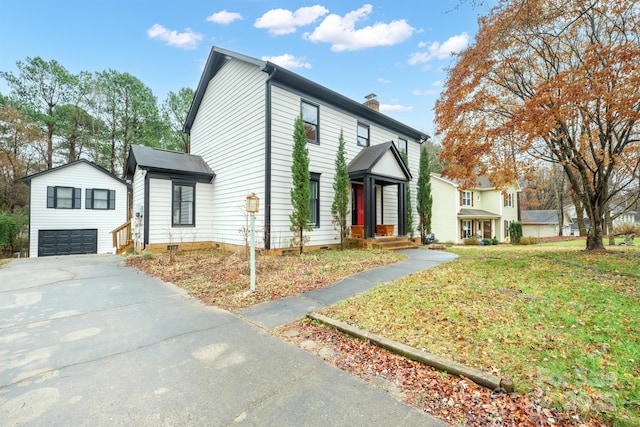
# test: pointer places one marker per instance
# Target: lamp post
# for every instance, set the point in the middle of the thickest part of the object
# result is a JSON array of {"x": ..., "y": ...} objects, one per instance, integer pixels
[{"x": 253, "y": 205}]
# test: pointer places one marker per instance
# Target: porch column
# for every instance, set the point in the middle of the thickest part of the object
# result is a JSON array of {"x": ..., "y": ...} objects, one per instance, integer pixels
[
  {"x": 402, "y": 209},
  {"x": 369, "y": 207}
]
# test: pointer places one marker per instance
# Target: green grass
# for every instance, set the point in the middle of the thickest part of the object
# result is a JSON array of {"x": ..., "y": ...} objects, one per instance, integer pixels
[{"x": 557, "y": 318}]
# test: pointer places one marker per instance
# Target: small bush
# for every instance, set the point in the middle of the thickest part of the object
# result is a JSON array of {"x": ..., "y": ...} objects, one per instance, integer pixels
[
  {"x": 494, "y": 241},
  {"x": 449, "y": 243},
  {"x": 528, "y": 240},
  {"x": 8, "y": 230},
  {"x": 471, "y": 241},
  {"x": 626, "y": 228},
  {"x": 487, "y": 242}
]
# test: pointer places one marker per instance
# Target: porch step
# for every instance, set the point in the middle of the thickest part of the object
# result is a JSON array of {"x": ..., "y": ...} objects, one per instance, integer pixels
[{"x": 392, "y": 243}]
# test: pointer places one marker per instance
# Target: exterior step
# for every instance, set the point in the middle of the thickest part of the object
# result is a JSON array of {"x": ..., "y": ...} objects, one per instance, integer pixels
[{"x": 392, "y": 243}]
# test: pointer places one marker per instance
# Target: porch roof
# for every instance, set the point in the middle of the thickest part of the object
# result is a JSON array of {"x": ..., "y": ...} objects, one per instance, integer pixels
[
  {"x": 477, "y": 213},
  {"x": 168, "y": 162},
  {"x": 382, "y": 161}
]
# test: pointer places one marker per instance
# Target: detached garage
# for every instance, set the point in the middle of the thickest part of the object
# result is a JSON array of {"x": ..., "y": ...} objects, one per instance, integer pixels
[{"x": 73, "y": 209}]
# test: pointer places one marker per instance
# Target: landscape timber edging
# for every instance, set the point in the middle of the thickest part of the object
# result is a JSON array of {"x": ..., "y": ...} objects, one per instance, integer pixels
[{"x": 492, "y": 382}]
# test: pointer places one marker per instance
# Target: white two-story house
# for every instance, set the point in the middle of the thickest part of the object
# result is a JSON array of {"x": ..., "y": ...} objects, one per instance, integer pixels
[{"x": 241, "y": 124}]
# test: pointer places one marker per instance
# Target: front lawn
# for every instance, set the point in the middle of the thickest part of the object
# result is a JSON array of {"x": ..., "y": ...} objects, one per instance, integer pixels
[{"x": 562, "y": 323}]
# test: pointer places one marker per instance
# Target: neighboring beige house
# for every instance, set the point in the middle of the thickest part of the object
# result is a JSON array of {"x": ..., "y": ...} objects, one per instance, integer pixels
[
  {"x": 544, "y": 223},
  {"x": 482, "y": 211}
]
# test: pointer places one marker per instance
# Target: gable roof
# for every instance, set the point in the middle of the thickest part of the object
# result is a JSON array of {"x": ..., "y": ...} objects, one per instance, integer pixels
[
  {"x": 277, "y": 74},
  {"x": 168, "y": 162},
  {"x": 365, "y": 161},
  {"x": 545, "y": 216},
  {"x": 99, "y": 168}
]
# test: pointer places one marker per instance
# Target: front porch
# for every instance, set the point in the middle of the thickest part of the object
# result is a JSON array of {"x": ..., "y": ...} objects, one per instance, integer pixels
[
  {"x": 373, "y": 173},
  {"x": 392, "y": 243}
]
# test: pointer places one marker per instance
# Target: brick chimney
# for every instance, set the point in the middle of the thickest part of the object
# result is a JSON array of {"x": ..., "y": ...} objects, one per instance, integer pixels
[{"x": 372, "y": 102}]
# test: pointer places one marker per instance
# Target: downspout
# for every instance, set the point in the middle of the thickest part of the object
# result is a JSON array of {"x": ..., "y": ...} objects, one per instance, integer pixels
[
  {"x": 145, "y": 215},
  {"x": 267, "y": 162}
]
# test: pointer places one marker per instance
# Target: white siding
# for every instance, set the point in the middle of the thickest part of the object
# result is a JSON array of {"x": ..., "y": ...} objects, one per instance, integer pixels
[
  {"x": 137, "y": 226},
  {"x": 444, "y": 219},
  {"x": 160, "y": 215},
  {"x": 229, "y": 133},
  {"x": 83, "y": 176},
  {"x": 285, "y": 109}
]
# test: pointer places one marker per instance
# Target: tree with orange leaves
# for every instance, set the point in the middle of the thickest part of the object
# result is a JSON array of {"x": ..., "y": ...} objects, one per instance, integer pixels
[{"x": 556, "y": 80}]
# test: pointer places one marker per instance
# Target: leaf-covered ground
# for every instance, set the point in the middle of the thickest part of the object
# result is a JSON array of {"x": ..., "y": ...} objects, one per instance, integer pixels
[{"x": 223, "y": 278}]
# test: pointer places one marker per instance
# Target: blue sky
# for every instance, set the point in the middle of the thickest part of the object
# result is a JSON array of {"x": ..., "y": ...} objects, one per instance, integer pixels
[{"x": 396, "y": 49}]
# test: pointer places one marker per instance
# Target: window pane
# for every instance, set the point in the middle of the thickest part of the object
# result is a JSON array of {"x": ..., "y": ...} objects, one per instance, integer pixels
[
  {"x": 310, "y": 119},
  {"x": 64, "y": 197},
  {"x": 100, "y": 199},
  {"x": 402, "y": 145},
  {"x": 314, "y": 201},
  {"x": 363, "y": 135},
  {"x": 183, "y": 204}
]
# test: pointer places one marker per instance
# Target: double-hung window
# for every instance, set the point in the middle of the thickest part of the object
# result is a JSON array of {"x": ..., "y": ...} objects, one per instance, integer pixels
[
  {"x": 310, "y": 119},
  {"x": 466, "y": 229},
  {"x": 63, "y": 197},
  {"x": 363, "y": 135},
  {"x": 314, "y": 201},
  {"x": 508, "y": 200},
  {"x": 96, "y": 198},
  {"x": 184, "y": 200},
  {"x": 467, "y": 198}
]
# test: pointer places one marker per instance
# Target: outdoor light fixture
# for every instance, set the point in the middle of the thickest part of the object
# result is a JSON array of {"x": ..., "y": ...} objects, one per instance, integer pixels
[
  {"x": 252, "y": 206},
  {"x": 253, "y": 203}
]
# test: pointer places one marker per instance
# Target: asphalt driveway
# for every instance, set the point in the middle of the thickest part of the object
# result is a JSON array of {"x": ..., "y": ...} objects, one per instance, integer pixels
[{"x": 85, "y": 340}]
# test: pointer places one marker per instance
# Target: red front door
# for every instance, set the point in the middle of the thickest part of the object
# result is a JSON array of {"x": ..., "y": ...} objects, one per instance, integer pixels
[{"x": 360, "y": 203}]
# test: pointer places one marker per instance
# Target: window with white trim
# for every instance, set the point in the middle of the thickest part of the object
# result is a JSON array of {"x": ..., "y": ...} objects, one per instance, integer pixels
[
  {"x": 508, "y": 200},
  {"x": 467, "y": 231},
  {"x": 467, "y": 198}
]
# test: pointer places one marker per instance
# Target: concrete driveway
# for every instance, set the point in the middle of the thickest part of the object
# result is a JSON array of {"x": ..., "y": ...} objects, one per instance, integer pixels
[{"x": 85, "y": 340}]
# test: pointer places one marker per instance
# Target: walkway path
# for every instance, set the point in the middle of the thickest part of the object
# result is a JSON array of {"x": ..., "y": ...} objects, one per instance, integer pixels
[{"x": 272, "y": 314}]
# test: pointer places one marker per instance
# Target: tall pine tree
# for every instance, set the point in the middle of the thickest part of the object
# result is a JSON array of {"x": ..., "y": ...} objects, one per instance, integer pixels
[
  {"x": 340, "y": 206},
  {"x": 300, "y": 192},
  {"x": 425, "y": 200},
  {"x": 405, "y": 159}
]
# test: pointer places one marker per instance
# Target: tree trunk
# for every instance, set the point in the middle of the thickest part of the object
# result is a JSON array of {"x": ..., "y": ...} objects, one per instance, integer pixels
[
  {"x": 609, "y": 224},
  {"x": 579, "y": 214},
  {"x": 595, "y": 234}
]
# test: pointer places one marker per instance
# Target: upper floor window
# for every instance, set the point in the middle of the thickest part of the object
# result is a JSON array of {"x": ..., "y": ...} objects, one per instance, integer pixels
[
  {"x": 310, "y": 119},
  {"x": 508, "y": 200},
  {"x": 314, "y": 201},
  {"x": 63, "y": 197},
  {"x": 466, "y": 198},
  {"x": 183, "y": 204},
  {"x": 363, "y": 135},
  {"x": 403, "y": 146},
  {"x": 99, "y": 199}
]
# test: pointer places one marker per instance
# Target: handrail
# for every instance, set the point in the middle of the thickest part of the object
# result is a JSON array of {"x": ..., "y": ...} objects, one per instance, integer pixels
[{"x": 122, "y": 236}]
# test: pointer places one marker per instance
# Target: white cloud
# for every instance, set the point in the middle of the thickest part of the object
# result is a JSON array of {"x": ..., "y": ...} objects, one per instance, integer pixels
[
  {"x": 381, "y": 80},
  {"x": 282, "y": 21},
  {"x": 186, "y": 40},
  {"x": 287, "y": 61},
  {"x": 396, "y": 108},
  {"x": 342, "y": 34},
  {"x": 224, "y": 17},
  {"x": 428, "y": 92},
  {"x": 451, "y": 46}
]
